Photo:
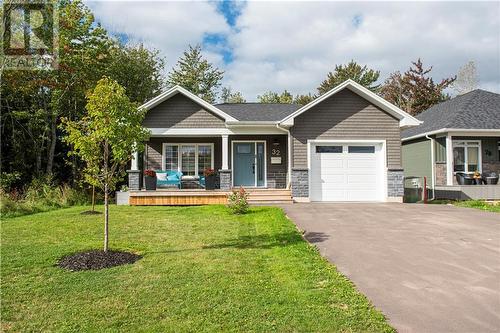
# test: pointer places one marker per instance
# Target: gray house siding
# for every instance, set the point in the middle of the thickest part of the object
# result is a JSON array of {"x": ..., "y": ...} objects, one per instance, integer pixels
[
  {"x": 417, "y": 159},
  {"x": 345, "y": 116},
  {"x": 276, "y": 173},
  {"x": 181, "y": 112}
]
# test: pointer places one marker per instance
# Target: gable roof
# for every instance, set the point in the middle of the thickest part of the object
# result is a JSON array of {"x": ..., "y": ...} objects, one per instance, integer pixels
[
  {"x": 405, "y": 120},
  {"x": 478, "y": 109},
  {"x": 258, "y": 111},
  {"x": 179, "y": 90}
]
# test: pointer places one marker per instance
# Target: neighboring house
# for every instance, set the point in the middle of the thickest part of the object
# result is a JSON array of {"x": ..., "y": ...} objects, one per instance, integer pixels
[
  {"x": 343, "y": 146},
  {"x": 459, "y": 135}
]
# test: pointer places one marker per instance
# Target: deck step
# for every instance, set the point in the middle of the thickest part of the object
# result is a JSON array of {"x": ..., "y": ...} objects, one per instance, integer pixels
[{"x": 269, "y": 196}]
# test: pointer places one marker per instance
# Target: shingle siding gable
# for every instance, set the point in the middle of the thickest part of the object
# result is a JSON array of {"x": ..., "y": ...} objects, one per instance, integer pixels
[
  {"x": 181, "y": 112},
  {"x": 346, "y": 116}
]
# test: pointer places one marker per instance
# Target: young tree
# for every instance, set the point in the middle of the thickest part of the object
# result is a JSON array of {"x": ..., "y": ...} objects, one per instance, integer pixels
[
  {"x": 196, "y": 74},
  {"x": 360, "y": 74},
  {"x": 106, "y": 138},
  {"x": 228, "y": 96},
  {"x": 415, "y": 91},
  {"x": 273, "y": 97},
  {"x": 467, "y": 79}
]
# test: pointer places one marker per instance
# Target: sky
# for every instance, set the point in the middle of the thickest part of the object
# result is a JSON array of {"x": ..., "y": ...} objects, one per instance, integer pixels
[{"x": 280, "y": 45}]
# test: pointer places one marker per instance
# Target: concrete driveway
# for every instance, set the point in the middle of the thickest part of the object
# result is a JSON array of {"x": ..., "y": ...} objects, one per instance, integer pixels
[{"x": 428, "y": 268}]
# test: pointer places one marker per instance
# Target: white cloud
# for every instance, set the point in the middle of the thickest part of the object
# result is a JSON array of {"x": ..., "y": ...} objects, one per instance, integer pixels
[
  {"x": 292, "y": 45},
  {"x": 167, "y": 26}
]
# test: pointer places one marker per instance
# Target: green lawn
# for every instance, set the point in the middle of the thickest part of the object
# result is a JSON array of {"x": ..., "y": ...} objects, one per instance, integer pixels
[
  {"x": 478, "y": 204},
  {"x": 203, "y": 270}
]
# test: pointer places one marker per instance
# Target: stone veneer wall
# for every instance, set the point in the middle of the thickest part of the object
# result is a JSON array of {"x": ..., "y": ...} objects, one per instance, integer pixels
[
  {"x": 300, "y": 183},
  {"x": 491, "y": 167},
  {"x": 225, "y": 179},
  {"x": 440, "y": 173},
  {"x": 134, "y": 179},
  {"x": 395, "y": 183},
  {"x": 276, "y": 179}
]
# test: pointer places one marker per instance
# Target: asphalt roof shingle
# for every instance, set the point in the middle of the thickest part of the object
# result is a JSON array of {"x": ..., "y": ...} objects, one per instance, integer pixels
[
  {"x": 258, "y": 111},
  {"x": 478, "y": 109}
]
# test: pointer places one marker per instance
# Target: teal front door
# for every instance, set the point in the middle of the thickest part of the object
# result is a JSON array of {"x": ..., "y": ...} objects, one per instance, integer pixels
[{"x": 248, "y": 164}]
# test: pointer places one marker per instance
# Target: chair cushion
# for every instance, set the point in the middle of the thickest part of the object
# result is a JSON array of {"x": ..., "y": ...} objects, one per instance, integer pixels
[
  {"x": 161, "y": 176},
  {"x": 173, "y": 177}
]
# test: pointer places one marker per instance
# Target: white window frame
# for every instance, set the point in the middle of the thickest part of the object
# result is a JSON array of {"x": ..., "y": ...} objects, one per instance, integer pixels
[
  {"x": 179, "y": 155},
  {"x": 498, "y": 151},
  {"x": 465, "y": 145}
]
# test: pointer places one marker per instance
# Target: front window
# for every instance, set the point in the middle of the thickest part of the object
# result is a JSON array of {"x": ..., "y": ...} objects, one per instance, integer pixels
[
  {"x": 204, "y": 158},
  {"x": 190, "y": 159},
  {"x": 466, "y": 156}
]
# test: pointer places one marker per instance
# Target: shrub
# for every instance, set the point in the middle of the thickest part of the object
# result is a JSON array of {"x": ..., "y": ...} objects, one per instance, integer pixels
[
  {"x": 238, "y": 201},
  {"x": 40, "y": 196}
]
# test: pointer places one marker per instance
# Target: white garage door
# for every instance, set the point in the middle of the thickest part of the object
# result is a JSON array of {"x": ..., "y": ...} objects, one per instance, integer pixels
[{"x": 347, "y": 172}]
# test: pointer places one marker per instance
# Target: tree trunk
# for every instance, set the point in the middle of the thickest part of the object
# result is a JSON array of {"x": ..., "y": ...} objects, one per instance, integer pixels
[
  {"x": 106, "y": 218},
  {"x": 106, "y": 208},
  {"x": 52, "y": 148},
  {"x": 93, "y": 198}
]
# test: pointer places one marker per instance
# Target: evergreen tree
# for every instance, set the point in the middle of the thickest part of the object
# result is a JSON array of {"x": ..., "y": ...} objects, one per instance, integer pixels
[
  {"x": 360, "y": 74},
  {"x": 303, "y": 99},
  {"x": 273, "y": 97},
  {"x": 228, "y": 96},
  {"x": 196, "y": 74}
]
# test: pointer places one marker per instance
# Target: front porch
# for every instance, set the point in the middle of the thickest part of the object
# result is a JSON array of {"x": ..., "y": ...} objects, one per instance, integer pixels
[
  {"x": 468, "y": 192},
  {"x": 195, "y": 197},
  {"x": 251, "y": 161}
]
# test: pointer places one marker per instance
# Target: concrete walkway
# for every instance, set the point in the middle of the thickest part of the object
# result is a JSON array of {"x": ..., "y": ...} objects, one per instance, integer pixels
[{"x": 428, "y": 268}]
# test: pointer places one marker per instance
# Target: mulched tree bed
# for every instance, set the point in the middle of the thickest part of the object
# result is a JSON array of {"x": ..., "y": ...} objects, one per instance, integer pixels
[
  {"x": 97, "y": 259},
  {"x": 91, "y": 212}
]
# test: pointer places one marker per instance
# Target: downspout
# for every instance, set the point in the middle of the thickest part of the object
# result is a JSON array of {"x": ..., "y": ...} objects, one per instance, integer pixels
[
  {"x": 289, "y": 177},
  {"x": 433, "y": 167}
]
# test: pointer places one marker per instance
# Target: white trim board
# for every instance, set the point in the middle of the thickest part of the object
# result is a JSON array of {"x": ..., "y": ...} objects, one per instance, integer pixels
[
  {"x": 405, "y": 120},
  {"x": 178, "y": 89},
  {"x": 215, "y": 132},
  {"x": 456, "y": 132}
]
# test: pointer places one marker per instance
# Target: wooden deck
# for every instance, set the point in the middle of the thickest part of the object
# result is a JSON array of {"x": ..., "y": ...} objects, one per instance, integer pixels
[
  {"x": 177, "y": 197},
  {"x": 194, "y": 197}
]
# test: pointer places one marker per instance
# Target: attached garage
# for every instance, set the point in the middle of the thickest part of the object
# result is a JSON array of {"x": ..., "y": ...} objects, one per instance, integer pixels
[{"x": 347, "y": 171}]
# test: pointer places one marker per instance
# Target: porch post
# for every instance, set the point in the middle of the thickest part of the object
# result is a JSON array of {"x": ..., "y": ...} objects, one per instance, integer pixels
[
  {"x": 225, "y": 173},
  {"x": 449, "y": 160},
  {"x": 133, "y": 162},
  {"x": 225, "y": 155},
  {"x": 134, "y": 174}
]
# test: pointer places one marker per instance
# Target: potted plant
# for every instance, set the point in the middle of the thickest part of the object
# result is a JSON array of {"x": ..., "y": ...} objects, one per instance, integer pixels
[
  {"x": 478, "y": 178},
  {"x": 209, "y": 174},
  {"x": 150, "y": 180}
]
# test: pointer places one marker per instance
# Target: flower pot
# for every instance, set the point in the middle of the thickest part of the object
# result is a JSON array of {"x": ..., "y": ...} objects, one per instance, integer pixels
[
  {"x": 150, "y": 183},
  {"x": 210, "y": 182}
]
